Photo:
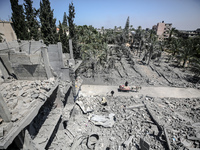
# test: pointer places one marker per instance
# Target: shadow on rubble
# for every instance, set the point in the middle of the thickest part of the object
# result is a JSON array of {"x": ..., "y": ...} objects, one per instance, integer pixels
[
  {"x": 193, "y": 79},
  {"x": 53, "y": 134},
  {"x": 44, "y": 111},
  {"x": 67, "y": 97}
]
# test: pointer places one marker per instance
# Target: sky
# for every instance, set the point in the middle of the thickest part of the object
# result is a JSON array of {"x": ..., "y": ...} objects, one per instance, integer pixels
[{"x": 183, "y": 14}]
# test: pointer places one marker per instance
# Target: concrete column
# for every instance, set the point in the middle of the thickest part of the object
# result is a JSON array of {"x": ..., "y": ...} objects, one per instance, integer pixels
[
  {"x": 60, "y": 52},
  {"x": 4, "y": 112},
  {"x": 46, "y": 62},
  {"x": 72, "y": 76},
  {"x": 71, "y": 68},
  {"x": 71, "y": 49}
]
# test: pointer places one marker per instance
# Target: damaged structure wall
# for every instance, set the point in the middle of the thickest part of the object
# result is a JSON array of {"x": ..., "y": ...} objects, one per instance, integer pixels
[
  {"x": 32, "y": 60},
  {"x": 36, "y": 90}
]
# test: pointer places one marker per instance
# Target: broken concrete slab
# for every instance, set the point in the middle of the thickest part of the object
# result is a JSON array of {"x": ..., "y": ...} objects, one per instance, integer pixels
[{"x": 105, "y": 121}]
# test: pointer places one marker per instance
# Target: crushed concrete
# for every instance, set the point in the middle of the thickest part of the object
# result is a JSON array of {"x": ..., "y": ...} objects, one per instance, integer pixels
[{"x": 175, "y": 124}]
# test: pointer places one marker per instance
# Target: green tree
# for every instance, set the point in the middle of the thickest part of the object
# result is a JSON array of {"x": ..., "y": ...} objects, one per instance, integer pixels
[
  {"x": 48, "y": 26},
  {"x": 31, "y": 19},
  {"x": 64, "y": 23},
  {"x": 188, "y": 51},
  {"x": 126, "y": 30},
  {"x": 18, "y": 19},
  {"x": 63, "y": 38},
  {"x": 72, "y": 31}
]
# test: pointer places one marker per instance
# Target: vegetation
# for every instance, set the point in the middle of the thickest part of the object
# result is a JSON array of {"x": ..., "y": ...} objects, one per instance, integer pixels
[
  {"x": 63, "y": 38},
  {"x": 48, "y": 26},
  {"x": 31, "y": 20},
  {"x": 72, "y": 31},
  {"x": 64, "y": 23},
  {"x": 18, "y": 19}
]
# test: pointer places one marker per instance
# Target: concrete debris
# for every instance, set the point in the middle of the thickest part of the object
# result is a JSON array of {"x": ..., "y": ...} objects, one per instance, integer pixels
[
  {"x": 131, "y": 125},
  {"x": 105, "y": 121},
  {"x": 84, "y": 108}
]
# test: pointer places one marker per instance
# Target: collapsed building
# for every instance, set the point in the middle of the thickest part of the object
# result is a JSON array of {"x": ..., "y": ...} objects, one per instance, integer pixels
[{"x": 37, "y": 83}]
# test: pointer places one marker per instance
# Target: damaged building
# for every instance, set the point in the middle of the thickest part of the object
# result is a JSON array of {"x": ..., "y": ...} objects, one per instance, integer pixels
[{"x": 37, "y": 84}]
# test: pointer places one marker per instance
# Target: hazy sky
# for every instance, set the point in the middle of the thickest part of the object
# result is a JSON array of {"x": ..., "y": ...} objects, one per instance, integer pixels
[{"x": 183, "y": 14}]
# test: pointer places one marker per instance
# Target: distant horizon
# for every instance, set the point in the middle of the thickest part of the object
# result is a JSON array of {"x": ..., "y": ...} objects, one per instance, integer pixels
[{"x": 183, "y": 14}]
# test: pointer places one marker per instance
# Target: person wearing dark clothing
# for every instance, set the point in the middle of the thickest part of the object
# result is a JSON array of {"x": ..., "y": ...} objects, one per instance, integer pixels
[
  {"x": 112, "y": 92},
  {"x": 126, "y": 83}
]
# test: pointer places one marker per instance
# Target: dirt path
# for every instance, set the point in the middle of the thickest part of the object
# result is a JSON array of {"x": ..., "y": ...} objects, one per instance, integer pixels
[{"x": 145, "y": 91}]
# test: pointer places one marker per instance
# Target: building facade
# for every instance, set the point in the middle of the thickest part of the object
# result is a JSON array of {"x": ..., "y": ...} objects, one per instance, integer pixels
[
  {"x": 7, "y": 30},
  {"x": 163, "y": 30}
]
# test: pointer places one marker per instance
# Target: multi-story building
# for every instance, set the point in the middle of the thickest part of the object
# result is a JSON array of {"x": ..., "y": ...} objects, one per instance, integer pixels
[
  {"x": 163, "y": 30},
  {"x": 188, "y": 33},
  {"x": 7, "y": 30}
]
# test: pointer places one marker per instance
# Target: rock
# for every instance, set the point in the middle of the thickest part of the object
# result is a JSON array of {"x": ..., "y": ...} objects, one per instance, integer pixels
[
  {"x": 24, "y": 94},
  {"x": 42, "y": 96},
  {"x": 186, "y": 143},
  {"x": 34, "y": 96},
  {"x": 105, "y": 121},
  {"x": 12, "y": 103}
]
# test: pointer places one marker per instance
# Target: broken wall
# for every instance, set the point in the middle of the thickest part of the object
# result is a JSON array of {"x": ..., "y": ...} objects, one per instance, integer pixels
[
  {"x": 31, "y": 47},
  {"x": 6, "y": 46},
  {"x": 25, "y": 67}
]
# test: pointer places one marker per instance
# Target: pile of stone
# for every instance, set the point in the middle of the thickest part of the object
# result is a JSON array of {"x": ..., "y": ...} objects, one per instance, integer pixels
[
  {"x": 21, "y": 95},
  {"x": 120, "y": 123},
  {"x": 131, "y": 123}
]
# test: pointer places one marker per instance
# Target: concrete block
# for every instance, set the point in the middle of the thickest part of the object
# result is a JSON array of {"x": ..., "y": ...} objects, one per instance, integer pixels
[{"x": 46, "y": 62}]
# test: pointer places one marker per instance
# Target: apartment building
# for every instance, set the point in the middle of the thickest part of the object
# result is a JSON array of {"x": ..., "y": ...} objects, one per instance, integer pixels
[{"x": 163, "y": 30}]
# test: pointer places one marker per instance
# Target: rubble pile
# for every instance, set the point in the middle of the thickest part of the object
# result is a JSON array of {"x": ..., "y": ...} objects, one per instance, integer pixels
[
  {"x": 122, "y": 123},
  {"x": 21, "y": 95},
  {"x": 181, "y": 118},
  {"x": 131, "y": 123}
]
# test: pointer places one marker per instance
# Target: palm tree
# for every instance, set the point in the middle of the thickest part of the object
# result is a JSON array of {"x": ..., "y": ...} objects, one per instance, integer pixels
[
  {"x": 174, "y": 47},
  {"x": 187, "y": 51}
]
